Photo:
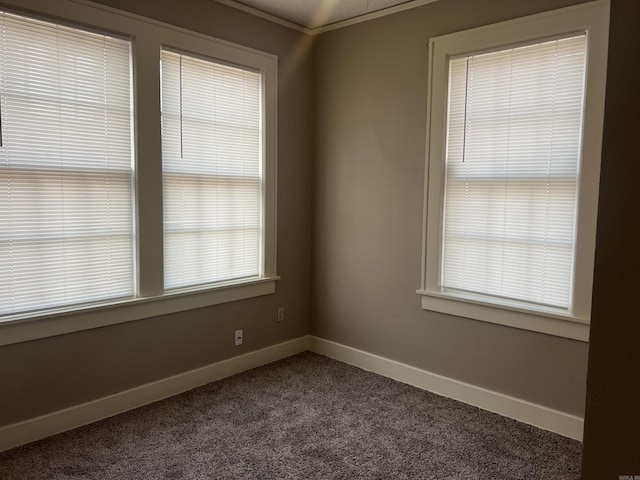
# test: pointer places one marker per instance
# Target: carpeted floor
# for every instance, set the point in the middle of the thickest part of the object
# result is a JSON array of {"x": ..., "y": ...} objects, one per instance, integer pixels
[{"x": 304, "y": 417}]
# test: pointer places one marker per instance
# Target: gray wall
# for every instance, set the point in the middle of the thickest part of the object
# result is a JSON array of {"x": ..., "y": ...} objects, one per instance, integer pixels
[
  {"x": 612, "y": 423},
  {"x": 46, "y": 375},
  {"x": 370, "y": 90}
]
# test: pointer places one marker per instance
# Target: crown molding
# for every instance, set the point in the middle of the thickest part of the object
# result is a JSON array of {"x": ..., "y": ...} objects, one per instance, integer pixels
[
  {"x": 371, "y": 16},
  {"x": 332, "y": 26},
  {"x": 267, "y": 16}
]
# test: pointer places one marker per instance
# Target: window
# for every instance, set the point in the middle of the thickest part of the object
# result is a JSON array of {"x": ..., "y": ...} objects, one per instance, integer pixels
[
  {"x": 66, "y": 227},
  {"x": 511, "y": 170},
  {"x": 113, "y": 210},
  {"x": 211, "y": 154},
  {"x": 515, "y": 133}
]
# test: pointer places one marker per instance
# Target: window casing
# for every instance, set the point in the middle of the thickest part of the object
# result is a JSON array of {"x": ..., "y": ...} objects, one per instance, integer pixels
[
  {"x": 512, "y": 170},
  {"x": 148, "y": 295}
]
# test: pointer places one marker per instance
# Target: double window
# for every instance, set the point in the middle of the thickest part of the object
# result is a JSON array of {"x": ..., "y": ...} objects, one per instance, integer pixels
[
  {"x": 70, "y": 205},
  {"x": 515, "y": 133}
]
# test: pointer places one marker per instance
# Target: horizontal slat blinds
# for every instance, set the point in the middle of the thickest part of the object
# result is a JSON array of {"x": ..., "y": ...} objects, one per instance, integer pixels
[
  {"x": 65, "y": 166},
  {"x": 212, "y": 170},
  {"x": 513, "y": 155}
]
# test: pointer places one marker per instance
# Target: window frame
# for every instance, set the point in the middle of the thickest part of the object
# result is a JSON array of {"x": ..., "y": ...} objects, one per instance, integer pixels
[
  {"x": 148, "y": 38},
  {"x": 573, "y": 323}
]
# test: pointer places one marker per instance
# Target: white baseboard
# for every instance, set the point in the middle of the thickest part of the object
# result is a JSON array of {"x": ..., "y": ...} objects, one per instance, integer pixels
[
  {"x": 542, "y": 417},
  {"x": 37, "y": 428},
  {"x": 78, "y": 415}
]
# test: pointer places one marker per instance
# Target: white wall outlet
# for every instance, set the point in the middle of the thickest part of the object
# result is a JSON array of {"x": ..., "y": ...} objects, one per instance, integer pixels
[
  {"x": 238, "y": 337},
  {"x": 281, "y": 314}
]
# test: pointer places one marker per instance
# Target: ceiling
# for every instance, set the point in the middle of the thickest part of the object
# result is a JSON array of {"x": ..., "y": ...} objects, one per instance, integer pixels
[{"x": 317, "y": 14}]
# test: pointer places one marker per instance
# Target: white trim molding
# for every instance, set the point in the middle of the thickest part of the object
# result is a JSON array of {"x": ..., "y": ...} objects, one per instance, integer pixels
[
  {"x": 331, "y": 26},
  {"x": 264, "y": 15},
  {"x": 27, "y": 327},
  {"x": 533, "y": 414},
  {"x": 76, "y": 416},
  {"x": 371, "y": 16},
  {"x": 57, "y": 422},
  {"x": 508, "y": 314}
]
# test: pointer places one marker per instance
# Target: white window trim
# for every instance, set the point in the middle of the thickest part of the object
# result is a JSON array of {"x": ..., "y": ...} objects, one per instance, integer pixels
[
  {"x": 148, "y": 38},
  {"x": 66, "y": 320},
  {"x": 594, "y": 19}
]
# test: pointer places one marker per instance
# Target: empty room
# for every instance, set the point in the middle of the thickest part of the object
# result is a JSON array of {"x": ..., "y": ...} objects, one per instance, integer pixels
[{"x": 319, "y": 239}]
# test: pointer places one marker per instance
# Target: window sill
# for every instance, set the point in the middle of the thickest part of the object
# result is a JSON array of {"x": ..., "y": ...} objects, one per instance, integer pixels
[
  {"x": 26, "y": 327},
  {"x": 511, "y": 314}
]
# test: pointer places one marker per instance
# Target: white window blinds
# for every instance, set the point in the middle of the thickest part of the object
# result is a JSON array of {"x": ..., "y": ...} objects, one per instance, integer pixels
[
  {"x": 212, "y": 170},
  {"x": 65, "y": 166},
  {"x": 512, "y": 161}
]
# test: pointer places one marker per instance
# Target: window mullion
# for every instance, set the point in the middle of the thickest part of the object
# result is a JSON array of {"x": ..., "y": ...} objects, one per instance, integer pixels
[{"x": 148, "y": 178}]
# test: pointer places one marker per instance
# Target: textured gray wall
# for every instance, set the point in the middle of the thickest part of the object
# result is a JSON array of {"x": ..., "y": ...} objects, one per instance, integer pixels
[
  {"x": 46, "y": 375},
  {"x": 370, "y": 90},
  {"x": 612, "y": 422}
]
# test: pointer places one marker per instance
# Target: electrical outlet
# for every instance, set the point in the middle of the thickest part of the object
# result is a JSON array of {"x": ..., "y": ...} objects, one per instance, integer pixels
[
  {"x": 281, "y": 314},
  {"x": 238, "y": 337}
]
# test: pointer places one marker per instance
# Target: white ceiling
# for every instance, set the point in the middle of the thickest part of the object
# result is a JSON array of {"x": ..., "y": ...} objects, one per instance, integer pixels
[{"x": 314, "y": 14}]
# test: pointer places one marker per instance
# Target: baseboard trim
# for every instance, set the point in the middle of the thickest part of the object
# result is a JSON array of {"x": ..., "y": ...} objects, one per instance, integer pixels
[
  {"x": 57, "y": 422},
  {"x": 537, "y": 415}
]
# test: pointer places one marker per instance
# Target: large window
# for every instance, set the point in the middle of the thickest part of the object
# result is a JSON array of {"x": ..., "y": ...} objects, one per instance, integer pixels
[
  {"x": 511, "y": 170},
  {"x": 212, "y": 169},
  {"x": 513, "y": 165},
  {"x": 136, "y": 179},
  {"x": 66, "y": 228}
]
